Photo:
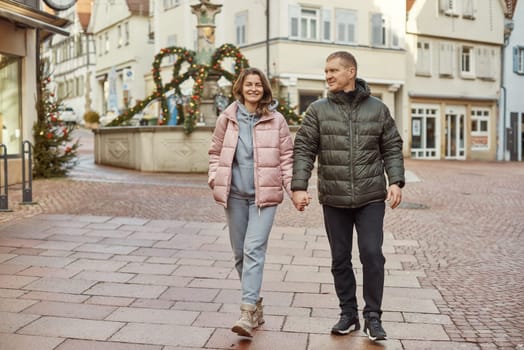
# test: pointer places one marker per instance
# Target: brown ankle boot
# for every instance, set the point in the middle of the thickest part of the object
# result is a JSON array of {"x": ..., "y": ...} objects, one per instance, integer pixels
[
  {"x": 247, "y": 322},
  {"x": 260, "y": 311}
]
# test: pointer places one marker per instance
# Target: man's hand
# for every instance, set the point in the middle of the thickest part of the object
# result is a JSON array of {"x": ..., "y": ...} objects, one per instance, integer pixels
[
  {"x": 301, "y": 200},
  {"x": 394, "y": 196}
]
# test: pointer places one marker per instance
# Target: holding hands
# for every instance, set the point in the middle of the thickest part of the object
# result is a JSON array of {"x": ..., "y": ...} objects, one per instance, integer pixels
[{"x": 301, "y": 200}]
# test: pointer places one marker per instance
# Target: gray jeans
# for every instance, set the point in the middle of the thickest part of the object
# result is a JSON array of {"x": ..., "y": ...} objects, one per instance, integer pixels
[{"x": 249, "y": 228}]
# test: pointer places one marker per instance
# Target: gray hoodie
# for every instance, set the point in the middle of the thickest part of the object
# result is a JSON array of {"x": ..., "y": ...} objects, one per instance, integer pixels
[{"x": 243, "y": 172}]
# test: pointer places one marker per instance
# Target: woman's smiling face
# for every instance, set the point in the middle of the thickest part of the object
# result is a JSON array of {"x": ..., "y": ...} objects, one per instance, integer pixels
[{"x": 252, "y": 90}]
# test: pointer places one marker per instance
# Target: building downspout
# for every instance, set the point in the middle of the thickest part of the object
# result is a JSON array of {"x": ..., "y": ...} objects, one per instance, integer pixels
[
  {"x": 267, "y": 39},
  {"x": 503, "y": 153}
]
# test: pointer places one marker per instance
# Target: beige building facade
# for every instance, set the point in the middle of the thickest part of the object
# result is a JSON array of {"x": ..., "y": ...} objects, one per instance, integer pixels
[
  {"x": 453, "y": 78},
  {"x": 23, "y": 26}
]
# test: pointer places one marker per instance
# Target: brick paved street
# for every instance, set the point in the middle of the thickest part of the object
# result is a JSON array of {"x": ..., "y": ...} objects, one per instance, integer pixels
[{"x": 115, "y": 259}]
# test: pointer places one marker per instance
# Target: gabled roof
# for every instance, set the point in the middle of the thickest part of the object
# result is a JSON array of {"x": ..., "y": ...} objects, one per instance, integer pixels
[
  {"x": 83, "y": 9},
  {"x": 138, "y": 7},
  {"x": 510, "y": 5}
]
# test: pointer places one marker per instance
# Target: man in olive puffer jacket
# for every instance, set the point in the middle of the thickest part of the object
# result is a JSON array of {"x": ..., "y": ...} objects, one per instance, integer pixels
[{"x": 357, "y": 143}]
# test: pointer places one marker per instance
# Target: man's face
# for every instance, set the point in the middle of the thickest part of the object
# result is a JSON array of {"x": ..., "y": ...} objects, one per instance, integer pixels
[{"x": 339, "y": 76}]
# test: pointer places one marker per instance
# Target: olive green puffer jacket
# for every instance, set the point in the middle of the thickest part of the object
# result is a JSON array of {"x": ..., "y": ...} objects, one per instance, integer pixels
[{"x": 356, "y": 142}]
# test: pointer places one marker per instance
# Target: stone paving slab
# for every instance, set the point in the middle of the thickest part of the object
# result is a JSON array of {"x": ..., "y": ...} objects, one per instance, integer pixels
[
  {"x": 185, "y": 295},
  {"x": 151, "y": 295}
]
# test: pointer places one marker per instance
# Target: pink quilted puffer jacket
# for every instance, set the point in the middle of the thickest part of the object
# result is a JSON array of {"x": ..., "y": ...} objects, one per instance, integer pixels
[{"x": 272, "y": 153}]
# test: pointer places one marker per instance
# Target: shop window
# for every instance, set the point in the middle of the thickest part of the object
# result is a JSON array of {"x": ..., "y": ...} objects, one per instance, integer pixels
[
  {"x": 10, "y": 122},
  {"x": 424, "y": 131},
  {"x": 306, "y": 98},
  {"x": 480, "y": 128}
]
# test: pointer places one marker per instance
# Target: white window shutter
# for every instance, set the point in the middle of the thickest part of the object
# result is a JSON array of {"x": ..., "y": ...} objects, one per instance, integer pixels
[
  {"x": 376, "y": 29},
  {"x": 446, "y": 59},
  {"x": 326, "y": 24},
  {"x": 294, "y": 18},
  {"x": 515, "y": 59}
]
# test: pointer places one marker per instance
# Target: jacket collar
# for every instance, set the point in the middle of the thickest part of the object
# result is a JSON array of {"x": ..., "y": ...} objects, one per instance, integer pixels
[
  {"x": 363, "y": 92},
  {"x": 231, "y": 113}
]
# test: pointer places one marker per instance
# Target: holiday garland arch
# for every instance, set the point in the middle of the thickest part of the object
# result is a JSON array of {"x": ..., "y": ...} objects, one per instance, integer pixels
[{"x": 199, "y": 73}]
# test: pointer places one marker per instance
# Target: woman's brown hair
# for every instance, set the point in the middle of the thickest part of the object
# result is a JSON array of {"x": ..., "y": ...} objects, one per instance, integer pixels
[{"x": 267, "y": 97}]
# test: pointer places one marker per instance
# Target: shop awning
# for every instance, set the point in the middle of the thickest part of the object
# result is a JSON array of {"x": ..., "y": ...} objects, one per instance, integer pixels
[{"x": 26, "y": 16}]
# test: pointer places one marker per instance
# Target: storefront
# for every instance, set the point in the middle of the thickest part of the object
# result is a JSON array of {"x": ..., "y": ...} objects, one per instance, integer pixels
[
  {"x": 453, "y": 129},
  {"x": 23, "y": 29}
]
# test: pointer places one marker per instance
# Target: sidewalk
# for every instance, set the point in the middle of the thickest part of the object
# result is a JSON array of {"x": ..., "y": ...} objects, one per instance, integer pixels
[
  {"x": 112, "y": 259},
  {"x": 130, "y": 283}
]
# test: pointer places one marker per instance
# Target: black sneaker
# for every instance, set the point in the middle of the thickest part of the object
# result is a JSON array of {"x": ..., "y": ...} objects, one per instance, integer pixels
[
  {"x": 373, "y": 329},
  {"x": 346, "y": 324}
]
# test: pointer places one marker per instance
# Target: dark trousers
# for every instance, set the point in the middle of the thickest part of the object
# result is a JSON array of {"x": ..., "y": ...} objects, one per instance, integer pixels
[{"x": 368, "y": 221}]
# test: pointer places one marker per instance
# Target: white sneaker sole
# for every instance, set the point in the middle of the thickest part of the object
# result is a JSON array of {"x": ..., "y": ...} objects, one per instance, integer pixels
[{"x": 351, "y": 328}]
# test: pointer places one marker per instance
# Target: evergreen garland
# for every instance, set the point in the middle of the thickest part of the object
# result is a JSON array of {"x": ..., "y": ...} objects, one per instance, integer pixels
[
  {"x": 199, "y": 73},
  {"x": 54, "y": 151}
]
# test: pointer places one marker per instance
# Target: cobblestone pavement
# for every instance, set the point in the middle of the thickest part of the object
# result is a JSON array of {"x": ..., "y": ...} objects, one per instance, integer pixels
[{"x": 462, "y": 221}]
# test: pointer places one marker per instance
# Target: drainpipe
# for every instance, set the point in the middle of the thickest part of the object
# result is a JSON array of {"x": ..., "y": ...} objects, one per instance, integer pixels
[
  {"x": 508, "y": 27},
  {"x": 267, "y": 38}
]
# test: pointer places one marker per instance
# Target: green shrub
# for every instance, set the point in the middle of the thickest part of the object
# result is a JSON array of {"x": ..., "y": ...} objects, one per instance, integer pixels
[{"x": 91, "y": 117}]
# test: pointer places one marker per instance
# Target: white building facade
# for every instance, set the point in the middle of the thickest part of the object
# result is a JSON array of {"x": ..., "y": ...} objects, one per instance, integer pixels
[
  {"x": 73, "y": 60},
  {"x": 299, "y": 39},
  {"x": 512, "y": 104},
  {"x": 453, "y": 78},
  {"x": 124, "y": 53}
]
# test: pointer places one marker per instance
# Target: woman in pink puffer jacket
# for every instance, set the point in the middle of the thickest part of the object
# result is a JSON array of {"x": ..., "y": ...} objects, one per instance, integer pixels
[{"x": 250, "y": 167}]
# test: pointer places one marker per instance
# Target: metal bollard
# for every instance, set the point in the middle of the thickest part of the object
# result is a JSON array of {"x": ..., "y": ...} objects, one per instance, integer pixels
[
  {"x": 4, "y": 202},
  {"x": 27, "y": 176}
]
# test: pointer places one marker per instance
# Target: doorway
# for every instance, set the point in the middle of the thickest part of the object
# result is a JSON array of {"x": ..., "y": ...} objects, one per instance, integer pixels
[{"x": 455, "y": 131}]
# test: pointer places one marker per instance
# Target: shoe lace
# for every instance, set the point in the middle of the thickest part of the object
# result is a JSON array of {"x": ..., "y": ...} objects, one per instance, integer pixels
[{"x": 375, "y": 325}]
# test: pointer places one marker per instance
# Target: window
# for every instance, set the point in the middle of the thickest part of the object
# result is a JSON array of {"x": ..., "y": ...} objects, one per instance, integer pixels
[
  {"x": 423, "y": 64},
  {"x": 303, "y": 23},
  {"x": 10, "y": 109},
  {"x": 305, "y": 98},
  {"x": 480, "y": 128},
  {"x": 378, "y": 30},
  {"x": 346, "y": 26},
  {"x": 168, "y": 4},
  {"x": 518, "y": 59},
  {"x": 100, "y": 45},
  {"x": 171, "y": 41},
  {"x": 240, "y": 28},
  {"x": 448, "y": 7},
  {"x": 120, "y": 38},
  {"x": 469, "y": 9},
  {"x": 126, "y": 33},
  {"x": 309, "y": 24},
  {"x": 445, "y": 63},
  {"x": 466, "y": 62},
  {"x": 485, "y": 63},
  {"x": 106, "y": 42},
  {"x": 424, "y": 124}
]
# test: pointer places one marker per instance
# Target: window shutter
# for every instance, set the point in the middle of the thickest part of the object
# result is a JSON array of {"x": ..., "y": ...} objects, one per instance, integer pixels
[
  {"x": 446, "y": 59},
  {"x": 326, "y": 24},
  {"x": 480, "y": 62},
  {"x": 469, "y": 9},
  {"x": 294, "y": 17},
  {"x": 515, "y": 59},
  {"x": 376, "y": 29},
  {"x": 351, "y": 27}
]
